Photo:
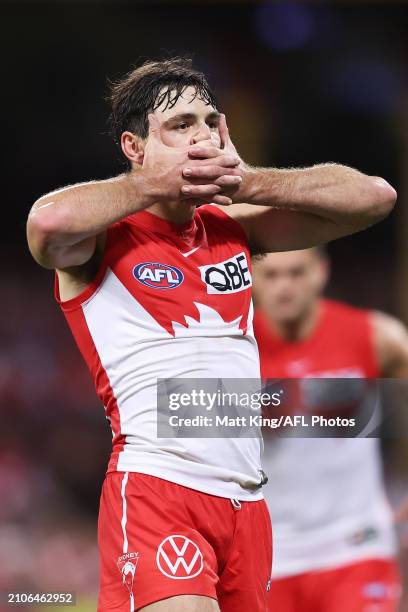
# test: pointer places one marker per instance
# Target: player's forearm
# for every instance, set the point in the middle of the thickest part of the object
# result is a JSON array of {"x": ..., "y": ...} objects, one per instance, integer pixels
[
  {"x": 335, "y": 192},
  {"x": 71, "y": 214}
]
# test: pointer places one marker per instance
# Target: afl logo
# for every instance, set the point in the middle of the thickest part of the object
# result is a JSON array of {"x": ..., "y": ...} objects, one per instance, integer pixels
[{"x": 158, "y": 275}]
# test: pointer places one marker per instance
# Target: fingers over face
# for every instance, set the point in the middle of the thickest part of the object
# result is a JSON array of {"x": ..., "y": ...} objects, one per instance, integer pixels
[
  {"x": 209, "y": 171},
  {"x": 228, "y": 181},
  {"x": 200, "y": 190},
  {"x": 204, "y": 151},
  {"x": 226, "y": 161},
  {"x": 223, "y": 131},
  {"x": 154, "y": 127},
  {"x": 221, "y": 199},
  {"x": 215, "y": 139}
]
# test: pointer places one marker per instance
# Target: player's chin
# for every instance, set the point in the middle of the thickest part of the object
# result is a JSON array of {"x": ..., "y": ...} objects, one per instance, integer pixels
[{"x": 287, "y": 314}]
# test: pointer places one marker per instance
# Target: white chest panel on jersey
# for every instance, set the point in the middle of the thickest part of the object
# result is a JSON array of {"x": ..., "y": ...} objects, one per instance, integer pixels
[{"x": 134, "y": 352}]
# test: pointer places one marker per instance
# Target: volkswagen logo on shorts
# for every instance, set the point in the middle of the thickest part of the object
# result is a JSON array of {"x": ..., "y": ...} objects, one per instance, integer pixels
[
  {"x": 179, "y": 558},
  {"x": 158, "y": 275}
]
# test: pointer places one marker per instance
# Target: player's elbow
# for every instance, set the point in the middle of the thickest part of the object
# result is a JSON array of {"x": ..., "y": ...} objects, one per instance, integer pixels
[
  {"x": 44, "y": 225},
  {"x": 381, "y": 200}
]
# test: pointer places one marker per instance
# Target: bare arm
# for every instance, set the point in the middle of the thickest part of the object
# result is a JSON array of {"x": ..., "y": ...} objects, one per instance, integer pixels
[
  {"x": 391, "y": 345},
  {"x": 312, "y": 206},
  {"x": 336, "y": 193},
  {"x": 63, "y": 226},
  {"x": 299, "y": 208}
]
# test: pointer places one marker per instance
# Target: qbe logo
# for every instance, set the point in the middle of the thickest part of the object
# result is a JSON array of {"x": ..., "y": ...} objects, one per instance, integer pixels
[
  {"x": 229, "y": 276},
  {"x": 179, "y": 558},
  {"x": 158, "y": 275}
]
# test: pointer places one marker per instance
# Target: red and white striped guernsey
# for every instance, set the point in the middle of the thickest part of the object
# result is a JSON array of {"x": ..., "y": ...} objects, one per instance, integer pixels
[{"x": 170, "y": 301}]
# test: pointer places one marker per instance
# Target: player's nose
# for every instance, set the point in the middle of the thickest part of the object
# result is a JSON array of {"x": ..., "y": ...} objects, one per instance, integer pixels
[
  {"x": 207, "y": 135},
  {"x": 202, "y": 133}
]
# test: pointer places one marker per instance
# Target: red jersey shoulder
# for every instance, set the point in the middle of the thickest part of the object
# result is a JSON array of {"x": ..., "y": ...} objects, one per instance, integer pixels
[
  {"x": 345, "y": 314},
  {"x": 351, "y": 328},
  {"x": 341, "y": 342},
  {"x": 212, "y": 230}
]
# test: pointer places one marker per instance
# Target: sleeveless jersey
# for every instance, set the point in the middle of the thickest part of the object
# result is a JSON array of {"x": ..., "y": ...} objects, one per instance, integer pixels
[
  {"x": 171, "y": 301},
  {"x": 326, "y": 495}
]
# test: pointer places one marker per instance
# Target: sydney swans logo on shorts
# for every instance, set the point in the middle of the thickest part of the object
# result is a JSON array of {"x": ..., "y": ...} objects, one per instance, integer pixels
[
  {"x": 229, "y": 276},
  {"x": 179, "y": 558},
  {"x": 158, "y": 275},
  {"x": 127, "y": 566}
]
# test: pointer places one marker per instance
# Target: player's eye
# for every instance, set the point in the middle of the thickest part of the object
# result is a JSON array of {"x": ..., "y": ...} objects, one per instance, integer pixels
[
  {"x": 182, "y": 126},
  {"x": 297, "y": 272}
]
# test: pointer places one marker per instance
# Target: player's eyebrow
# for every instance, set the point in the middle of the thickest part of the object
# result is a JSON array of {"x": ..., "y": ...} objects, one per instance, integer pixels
[
  {"x": 213, "y": 116},
  {"x": 180, "y": 117}
]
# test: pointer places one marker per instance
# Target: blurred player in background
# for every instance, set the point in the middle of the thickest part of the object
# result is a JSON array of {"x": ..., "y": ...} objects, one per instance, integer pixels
[
  {"x": 334, "y": 542},
  {"x": 166, "y": 293}
]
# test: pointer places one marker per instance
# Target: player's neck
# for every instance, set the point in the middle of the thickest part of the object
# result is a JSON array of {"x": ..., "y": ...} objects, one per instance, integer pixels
[
  {"x": 301, "y": 328},
  {"x": 175, "y": 212}
]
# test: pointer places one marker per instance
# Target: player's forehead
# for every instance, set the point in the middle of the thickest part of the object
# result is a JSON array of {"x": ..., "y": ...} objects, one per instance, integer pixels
[
  {"x": 189, "y": 102},
  {"x": 287, "y": 261}
]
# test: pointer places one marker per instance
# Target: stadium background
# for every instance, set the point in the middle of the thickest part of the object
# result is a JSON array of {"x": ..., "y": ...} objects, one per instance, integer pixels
[{"x": 301, "y": 83}]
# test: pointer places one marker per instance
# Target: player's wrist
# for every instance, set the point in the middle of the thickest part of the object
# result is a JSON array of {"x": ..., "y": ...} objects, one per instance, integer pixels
[
  {"x": 144, "y": 187},
  {"x": 249, "y": 189},
  {"x": 259, "y": 186}
]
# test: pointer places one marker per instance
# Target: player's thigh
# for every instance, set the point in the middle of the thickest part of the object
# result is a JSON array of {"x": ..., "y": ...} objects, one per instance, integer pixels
[
  {"x": 150, "y": 550},
  {"x": 183, "y": 603}
]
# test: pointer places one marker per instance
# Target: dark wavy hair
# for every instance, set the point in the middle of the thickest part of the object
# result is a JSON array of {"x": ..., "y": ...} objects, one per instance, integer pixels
[{"x": 147, "y": 87}]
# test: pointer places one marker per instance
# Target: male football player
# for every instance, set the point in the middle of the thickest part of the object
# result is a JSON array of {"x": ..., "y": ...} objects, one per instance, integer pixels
[{"x": 334, "y": 542}]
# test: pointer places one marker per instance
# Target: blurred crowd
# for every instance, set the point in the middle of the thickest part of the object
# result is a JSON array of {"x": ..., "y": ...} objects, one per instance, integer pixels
[{"x": 54, "y": 445}]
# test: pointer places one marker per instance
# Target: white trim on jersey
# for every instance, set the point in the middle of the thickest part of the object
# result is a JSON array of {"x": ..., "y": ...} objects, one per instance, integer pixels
[{"x": 191, "y": 252}]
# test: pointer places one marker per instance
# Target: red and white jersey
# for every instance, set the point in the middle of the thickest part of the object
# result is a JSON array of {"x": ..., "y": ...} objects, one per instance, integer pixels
[
  {"x": 171, "y": 301},
  {"x": 326, "y": 495}
]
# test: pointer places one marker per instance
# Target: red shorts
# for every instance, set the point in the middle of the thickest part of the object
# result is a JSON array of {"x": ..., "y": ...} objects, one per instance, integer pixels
[
  {"x": 367, "y": 586},
  {"x": 158, "y": 539}
]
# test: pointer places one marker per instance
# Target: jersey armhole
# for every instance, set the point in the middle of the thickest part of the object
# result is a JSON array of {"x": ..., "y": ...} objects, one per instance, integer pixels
[
  {"x": 89, "y": 291},
  {"x": 85, "y": 294}
]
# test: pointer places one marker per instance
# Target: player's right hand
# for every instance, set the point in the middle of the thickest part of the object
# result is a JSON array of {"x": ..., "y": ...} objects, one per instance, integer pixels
[
  {"x": 167, "y": 171},
  {"x": 227, "y": 150}
]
